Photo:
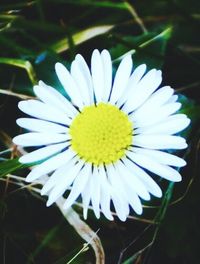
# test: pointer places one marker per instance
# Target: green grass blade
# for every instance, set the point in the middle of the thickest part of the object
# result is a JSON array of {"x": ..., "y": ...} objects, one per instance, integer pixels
[
  {"x": 80, "y": 37},
  {"x": 104, "y": 4},
  {"x": 24, "y": 64},
  {"x": 9, "y": 166}
]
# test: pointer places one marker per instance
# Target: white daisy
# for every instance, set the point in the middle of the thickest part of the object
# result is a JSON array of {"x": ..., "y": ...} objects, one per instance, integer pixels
[{"x": 102, "y": 143}]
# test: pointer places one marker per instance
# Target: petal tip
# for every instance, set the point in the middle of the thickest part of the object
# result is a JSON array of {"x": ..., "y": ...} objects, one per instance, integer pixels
[
  {"x": 105, "y": 51},
  {"x": 22, "y": 160},
  {"x": 122, "y": 218},
  {"x": 95, "y": 53},
  {"x": 139, "y": 211},
  {"x": 19, "y": 121},
  {"x": 49, "y": 203},
  {"x": 28, "y": 179},
  {"x": 41, "y": 83},
  {"x": 21, "y": 104},
  {"x": 42, "y": 192},
  {"x": 178, "y": 179},
  {"x": 59, "y": 66},
  {"x": 158, "y": 194},
  {"x": 14, "y": 140}
]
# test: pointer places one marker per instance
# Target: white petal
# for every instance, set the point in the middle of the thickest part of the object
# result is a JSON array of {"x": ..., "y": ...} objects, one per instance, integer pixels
[
  {"x": 129, "y": 194},
  {"x": 155, "y": 167},
  {"x": 137, "y": 74},
  {"x": 57, "y": 176},
  {"x": 86, "y": 73},
  {"x": 65, "y": 104},
  {"x": 148, "y": 84},
  {"x": 38, "y": 139},
  {"x": 148, "y": 182},
  {"x": 86, "y": 197},
  {"x": 78, "y": 185},
  {"x": 159, "y": 142},
  {"x": 69, "y": 84},
  {"x": 42, "y": 153},
  {"x": 107, "y": 69},
  {"x": 64, "y": 184},
  {"x": 51, "y": 96},
  {"x": 161, "y": 157},
  {"x": 133, "y": 200},
  {"x": 132, "y": 84},
  {"x": 121, "y": 78},
  {"x": 105, "y": 197},
  {"x": 97, "y": 75},
  {"x": 159, "y": 115},
  {"x": 172, "y": 99},
  {"x": 117, "y": 194},
  {"x": 80, "y": 82},
  {"x": 43, "y": 111},
  {"x": 132, "y": 180},
  {"x": 95, "y": 192},
  {"x": 41, "y": 125},
  {"x": 171, "y": 125},
  {"x": 120, "y": 205},
  {"x": 154, "y": 102},
  {"x": 50, "y": 165}
]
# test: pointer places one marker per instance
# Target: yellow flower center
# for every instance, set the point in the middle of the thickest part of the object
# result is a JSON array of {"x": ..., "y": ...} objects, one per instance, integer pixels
[{"x": 101, "y": 133}]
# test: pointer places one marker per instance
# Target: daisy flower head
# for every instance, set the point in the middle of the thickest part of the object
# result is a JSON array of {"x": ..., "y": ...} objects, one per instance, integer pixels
[{"x": 104, "y": 142}]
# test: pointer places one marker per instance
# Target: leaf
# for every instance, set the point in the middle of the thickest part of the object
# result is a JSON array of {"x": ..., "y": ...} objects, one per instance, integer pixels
[
  {"x": 105, "y": 4},
  {"x": 9, "y": 166},
  {"x": 13, "y": 47},
  {"x": 21, "y": 64},
  {"x": 51, "y": 235},
  {"x": 80, "y": 37},
  {"x": 165, "y": 202},
  {"x": 189, "y": 108},
  {"x": 17, "y": 5},
  {"x": 147, "y": 48},
  {"x": 132, "y": 259}
]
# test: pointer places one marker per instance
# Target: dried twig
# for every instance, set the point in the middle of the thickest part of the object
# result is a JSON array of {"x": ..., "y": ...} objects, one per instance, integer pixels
[
  {"x": 18, "y": 95},
  {"x": 84, "y": 231}
]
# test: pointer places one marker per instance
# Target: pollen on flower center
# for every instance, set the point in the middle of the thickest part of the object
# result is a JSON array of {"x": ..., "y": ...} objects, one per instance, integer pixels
[{"x": 101, "y": 133}]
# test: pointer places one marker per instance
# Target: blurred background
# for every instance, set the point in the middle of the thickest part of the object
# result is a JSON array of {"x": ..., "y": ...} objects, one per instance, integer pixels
[{"x": 34, "y": 35}]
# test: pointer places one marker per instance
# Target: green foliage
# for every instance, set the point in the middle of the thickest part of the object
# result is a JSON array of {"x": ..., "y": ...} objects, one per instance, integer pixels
[
  {"x": 21, "y": 64},
  {"x": 147, "y": 48},
  {"x": 9, "y": 166}
]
